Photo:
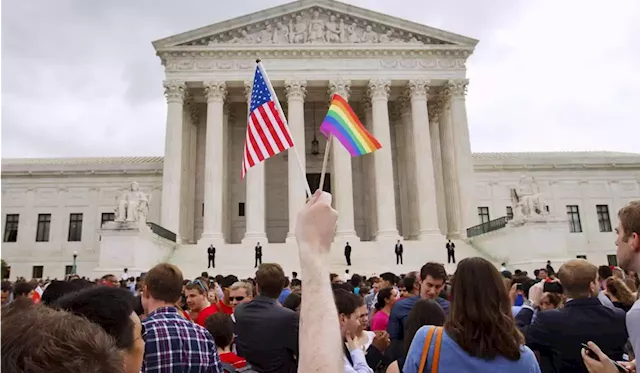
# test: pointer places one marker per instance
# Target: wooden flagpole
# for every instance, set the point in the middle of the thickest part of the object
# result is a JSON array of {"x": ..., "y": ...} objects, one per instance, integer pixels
[
  {"x": 325, "y": 161},
  {"x": 284, "y": 118}
]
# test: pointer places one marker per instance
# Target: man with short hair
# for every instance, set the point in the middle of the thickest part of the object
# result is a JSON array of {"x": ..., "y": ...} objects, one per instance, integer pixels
[
  {"x": 41, "y": 339},
  {"x": 211, "y": 255},
  {"x": 451, "y": 252},
  {"x": 347, "y": 253},
  {"x": 173, "y": 344},
  {"x": 23, "y": 289},
  {"x": 258, "y": 255},
  {"x": 112, "y": 309},
  {"x": 200, "y": 308},
  {"x": 432, "y": 280},
  {"x": 399, "y": 250},
  {"x": 349, "y": 314},
  {"x": 6, "y": 289},
  {"x": 628, "y": 243},
  {"x": 556, "y": 333},
  {"x": 267, "y": 332},
  {"x": 240, "y": 292}
]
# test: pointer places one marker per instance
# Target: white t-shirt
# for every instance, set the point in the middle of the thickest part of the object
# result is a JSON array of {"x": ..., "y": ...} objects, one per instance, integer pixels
[{"x": 633, "y": 327}]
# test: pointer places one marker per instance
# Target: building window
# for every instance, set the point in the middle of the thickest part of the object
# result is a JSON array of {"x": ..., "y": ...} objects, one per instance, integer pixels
[
  {"x": 44, "y": 226},
  {"x": 11, "y": 228},
  {"x": 573, "y": 214},
  {"x": 612, "y": 260},
  {"x": 241, "y": 209},
  {"x": 203, "y": 210},
  {"x": 581, "y": 257},
  {"x": 75, "y": 227},
  {"x": 68, "y": 270},
  {"x": 37, "y": 271},
  {"x": 483, "y": 213},
  {"x": 603, "y": 218},
  {"x": 509, "y": 212},
  {"x": 107, "y": 217}
]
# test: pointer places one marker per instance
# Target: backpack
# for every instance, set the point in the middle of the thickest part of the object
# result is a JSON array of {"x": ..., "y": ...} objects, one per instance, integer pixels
[{"x": 229, "y": 368}]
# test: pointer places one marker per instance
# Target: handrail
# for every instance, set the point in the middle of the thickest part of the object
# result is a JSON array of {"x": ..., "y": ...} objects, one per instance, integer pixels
[
  {"x": 487, "y": 227},
  {"x": 162, "y": 232}
]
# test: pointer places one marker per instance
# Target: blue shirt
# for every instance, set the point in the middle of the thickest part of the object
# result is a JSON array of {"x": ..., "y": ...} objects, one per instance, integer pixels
[
  {"x": 284, "y": 294},
  {"x": 455, "y": 359},
  {"x": 400, "y": 311},
  {"x": 176, "y": 345}
]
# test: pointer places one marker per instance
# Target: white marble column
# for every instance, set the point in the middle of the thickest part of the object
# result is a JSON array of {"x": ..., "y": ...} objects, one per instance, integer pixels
[
  {"x": 409, "y": 166},
  {"x": 436, "y": 151},
  {"x": 342, "y": 175},
  {"x": 427, "y": 208},
  {"x": 172, "y": 167},
  {"x": 215, "y": 92},
  {"x": 401, "y": 160},
  {"x": 296, "y": 90},
  {"x": 449, "y": 168},
  {"x": 255, "y": 196},
  {"x": 370, "y": 184},
  {"x": 464, "y": 158},
  {"x": 385, "y": 195}
]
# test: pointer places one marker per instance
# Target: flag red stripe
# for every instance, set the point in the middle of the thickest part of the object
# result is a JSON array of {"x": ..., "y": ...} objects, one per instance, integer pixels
[
  {"x": 283, "y": 127},
  {"x": 254, "y": 145},
  {"x": 271, "y": 129},
  {"x": 261, "y": 117}
]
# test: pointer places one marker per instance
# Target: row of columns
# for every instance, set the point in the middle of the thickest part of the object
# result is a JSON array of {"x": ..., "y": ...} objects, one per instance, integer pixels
[{"x": 437, "y": 165}]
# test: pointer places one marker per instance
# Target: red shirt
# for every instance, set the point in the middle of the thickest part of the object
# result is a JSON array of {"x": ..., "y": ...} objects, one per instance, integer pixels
[
  {"x": 226, "y": 309},
  {"x": 233, "y": 359},
  {"x": 206, "y": 313}
]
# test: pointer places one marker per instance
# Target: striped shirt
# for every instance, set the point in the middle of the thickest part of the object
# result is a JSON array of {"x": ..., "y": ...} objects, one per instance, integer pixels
[{"x": 174, "y": 345}]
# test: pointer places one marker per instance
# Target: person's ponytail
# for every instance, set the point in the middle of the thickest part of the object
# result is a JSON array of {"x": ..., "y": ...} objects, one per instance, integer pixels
[{"x": 383, "y": 295}]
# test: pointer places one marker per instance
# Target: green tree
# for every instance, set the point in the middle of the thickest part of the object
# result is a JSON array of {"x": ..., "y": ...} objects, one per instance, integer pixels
[{"x": 5, "y": 269}]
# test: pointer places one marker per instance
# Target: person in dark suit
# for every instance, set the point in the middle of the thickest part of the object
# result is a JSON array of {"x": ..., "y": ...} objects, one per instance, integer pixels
[
  {"x": 557, "y": 334},
  {"x": 267, "y": 333},
  {"x": 211, "y": 253},
  {"x": 451, "y": 252},
  {"x": 258, "y": 256},
  {"x": 347, "y": 253},
  {"x": 399, "y": 250}
]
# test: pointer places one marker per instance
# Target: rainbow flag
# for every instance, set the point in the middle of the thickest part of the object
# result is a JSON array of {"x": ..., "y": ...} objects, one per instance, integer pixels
[{"x": 344, "y": 124}]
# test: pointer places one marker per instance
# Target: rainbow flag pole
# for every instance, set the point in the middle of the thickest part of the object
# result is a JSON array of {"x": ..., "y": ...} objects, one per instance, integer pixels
[{"x": 341, "y": 122}]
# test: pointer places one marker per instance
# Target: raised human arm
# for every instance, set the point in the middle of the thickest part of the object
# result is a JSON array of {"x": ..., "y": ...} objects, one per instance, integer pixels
[{"x": 320, "y": 342}]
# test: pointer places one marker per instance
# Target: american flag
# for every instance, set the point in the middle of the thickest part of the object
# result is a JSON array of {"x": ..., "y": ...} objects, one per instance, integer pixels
[{"x": 267, "y": 130}]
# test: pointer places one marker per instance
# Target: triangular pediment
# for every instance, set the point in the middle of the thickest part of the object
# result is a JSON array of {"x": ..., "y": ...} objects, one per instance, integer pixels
[{"x": 319, "y": 22}]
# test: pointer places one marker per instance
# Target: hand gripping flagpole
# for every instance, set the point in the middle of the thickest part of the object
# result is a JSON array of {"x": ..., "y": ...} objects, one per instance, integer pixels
[{"x": 286, "y": 123}]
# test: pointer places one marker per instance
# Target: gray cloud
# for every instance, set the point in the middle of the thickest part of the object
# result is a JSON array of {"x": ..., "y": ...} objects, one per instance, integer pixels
[{"x": 81, "y": 78}]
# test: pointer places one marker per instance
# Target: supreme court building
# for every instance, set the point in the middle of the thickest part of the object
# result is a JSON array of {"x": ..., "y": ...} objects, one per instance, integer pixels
[{"x": 405, "y": 81}]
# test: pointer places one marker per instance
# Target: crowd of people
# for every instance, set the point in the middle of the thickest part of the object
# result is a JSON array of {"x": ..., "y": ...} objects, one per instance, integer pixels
[{"x": 480, "y": 319}]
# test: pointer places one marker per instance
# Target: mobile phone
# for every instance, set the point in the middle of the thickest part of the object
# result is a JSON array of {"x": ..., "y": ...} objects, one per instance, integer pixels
[
  {"x": 593, "y": 355},
  {"x": 518, "y": 286}
]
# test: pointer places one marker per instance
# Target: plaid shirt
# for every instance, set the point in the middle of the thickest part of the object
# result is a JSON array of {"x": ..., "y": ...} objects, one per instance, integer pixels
[{"x": 176, "y": 345}]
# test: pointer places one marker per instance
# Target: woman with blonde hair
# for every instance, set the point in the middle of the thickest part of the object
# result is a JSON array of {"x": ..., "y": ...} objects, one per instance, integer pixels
[{"x": 619, "y": 293}]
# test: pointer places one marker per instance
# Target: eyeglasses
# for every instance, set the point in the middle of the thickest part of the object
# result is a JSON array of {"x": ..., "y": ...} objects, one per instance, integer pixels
[{"x": 238, "y": 299}]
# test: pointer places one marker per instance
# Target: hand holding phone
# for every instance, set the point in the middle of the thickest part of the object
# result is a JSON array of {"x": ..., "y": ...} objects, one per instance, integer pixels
[{"x": 597, "y": 361}]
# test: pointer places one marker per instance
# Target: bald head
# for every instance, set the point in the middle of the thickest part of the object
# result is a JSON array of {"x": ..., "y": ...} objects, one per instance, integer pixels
[{"x": 578, "y": 278}]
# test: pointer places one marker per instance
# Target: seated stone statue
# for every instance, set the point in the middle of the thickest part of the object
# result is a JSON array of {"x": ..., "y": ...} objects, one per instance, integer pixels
[{"x": 133, "y": 205}]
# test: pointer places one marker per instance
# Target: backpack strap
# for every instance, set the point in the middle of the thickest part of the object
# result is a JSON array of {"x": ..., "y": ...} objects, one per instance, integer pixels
[
  {"x": 425, "y": 349},
  {"x": 436, "y": 351}
]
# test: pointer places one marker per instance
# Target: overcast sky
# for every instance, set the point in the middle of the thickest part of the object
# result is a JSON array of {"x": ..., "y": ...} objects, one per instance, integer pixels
[{"x": 80, "y": 78}]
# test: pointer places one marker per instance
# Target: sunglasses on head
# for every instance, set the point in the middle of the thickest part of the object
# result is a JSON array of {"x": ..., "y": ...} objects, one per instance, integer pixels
[
  {"x": 199, "y": 283},
  {"x": 238, "y": 299}
]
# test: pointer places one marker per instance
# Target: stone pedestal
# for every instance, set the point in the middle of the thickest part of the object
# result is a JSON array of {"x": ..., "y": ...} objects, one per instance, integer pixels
[
  {"x": 130, "y": 245},
  {"x": 527, "y": 245}
]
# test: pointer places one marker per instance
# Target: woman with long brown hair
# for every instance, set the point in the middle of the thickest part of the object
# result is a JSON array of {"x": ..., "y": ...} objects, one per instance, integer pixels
[
  {"x": 619, "y": 293},
  {"x": 480, "y": 334}
]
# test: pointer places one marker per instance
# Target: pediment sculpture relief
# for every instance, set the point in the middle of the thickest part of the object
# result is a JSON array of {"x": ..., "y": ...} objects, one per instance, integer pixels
[{"x": 315, "y": 26}]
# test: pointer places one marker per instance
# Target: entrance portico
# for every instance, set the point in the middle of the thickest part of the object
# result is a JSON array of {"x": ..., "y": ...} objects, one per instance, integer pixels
[{"x": 406, "y": 82}]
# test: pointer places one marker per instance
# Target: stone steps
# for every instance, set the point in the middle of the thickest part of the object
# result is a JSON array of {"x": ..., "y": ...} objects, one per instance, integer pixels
[{"x": 367, "y": 258}]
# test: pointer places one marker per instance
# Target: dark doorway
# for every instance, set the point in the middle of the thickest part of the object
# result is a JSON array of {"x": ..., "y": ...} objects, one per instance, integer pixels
[{"x": 314, "y": 181}]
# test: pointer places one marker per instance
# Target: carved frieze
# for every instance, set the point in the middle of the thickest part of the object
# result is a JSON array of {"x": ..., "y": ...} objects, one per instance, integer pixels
[{"x": 315, "y": 26}]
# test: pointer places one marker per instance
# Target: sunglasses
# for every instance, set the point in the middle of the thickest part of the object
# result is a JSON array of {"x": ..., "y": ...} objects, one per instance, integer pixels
[
  {"x": 238, "y": 299},
  {"x": 199, "y": 283}
]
